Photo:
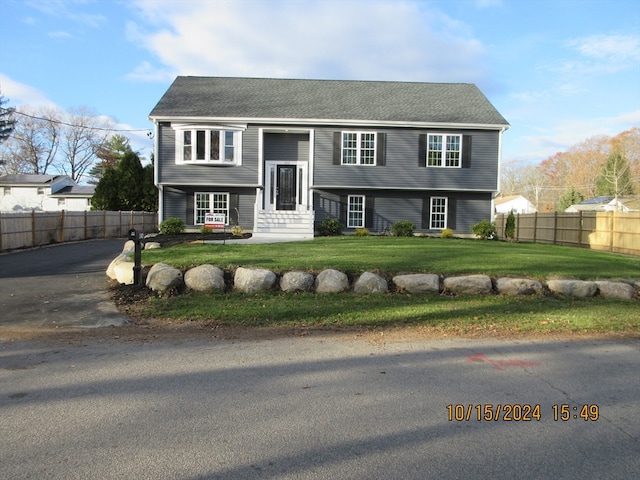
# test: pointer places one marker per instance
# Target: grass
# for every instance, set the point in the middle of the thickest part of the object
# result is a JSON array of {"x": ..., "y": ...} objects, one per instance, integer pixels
[
  {"x": 478, "y": 314},
  {"x": 393, "y": 255}
]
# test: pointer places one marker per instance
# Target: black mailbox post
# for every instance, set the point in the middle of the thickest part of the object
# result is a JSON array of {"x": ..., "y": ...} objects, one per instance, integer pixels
[{"x": 137, "y": 256}]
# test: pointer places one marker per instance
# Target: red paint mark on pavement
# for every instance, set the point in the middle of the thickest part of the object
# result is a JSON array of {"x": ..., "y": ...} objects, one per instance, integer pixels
[{"x": 500, "y": 364}]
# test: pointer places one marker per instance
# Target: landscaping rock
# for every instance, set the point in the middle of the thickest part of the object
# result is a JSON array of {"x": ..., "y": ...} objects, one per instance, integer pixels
[
  {"x": 418, "y": 283},
  {"x": 296, "y": 282},
  {"x": 573, "y": 288},
  {"x": 331, "y": 281},
  {"x": 151, "y": 245},
  {"x": 619, "y": 290},
  {"x": 123, "y": 257},
  {"x": 124, "y": 272},
  {"x": 468, "y": 285},
  {"x": 251, "y": 280},
  {"x": 162, "y": 278},
  {"x": 518, "y": 286},
  {"x": 129, "y": 246},
  {"x": 370, "y": 283},
  {"x": 204, "y": 278}
]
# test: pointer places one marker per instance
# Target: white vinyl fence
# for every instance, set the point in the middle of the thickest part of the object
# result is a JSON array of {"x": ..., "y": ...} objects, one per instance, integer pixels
[{"x": 32, "y": 229}]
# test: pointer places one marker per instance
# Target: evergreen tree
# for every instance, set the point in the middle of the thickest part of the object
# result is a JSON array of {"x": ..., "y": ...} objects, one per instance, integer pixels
[
  {"x": 615, "y": 179},
  {"x": 131, "y": 181},
  {"x": 106, "y": 196},
  {"x": 7, "y": 121},
  {"x": 149, "y": 190},
  {"x": 568, "y": 198}
]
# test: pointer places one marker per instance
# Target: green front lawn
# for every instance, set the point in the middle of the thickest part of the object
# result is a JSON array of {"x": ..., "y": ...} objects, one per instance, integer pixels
[{"x": 479, "y": 314}]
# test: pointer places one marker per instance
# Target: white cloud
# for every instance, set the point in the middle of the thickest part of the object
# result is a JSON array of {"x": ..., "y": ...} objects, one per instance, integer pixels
[
  {"x": 145, "y": 72},
  {"x": 60, "y": 34},
  {"x": 610, "y": 48},
  {"x": 310, "y": 39},
  {"x": 69, "y": 9},
  {"x": 20, "y": 94}
]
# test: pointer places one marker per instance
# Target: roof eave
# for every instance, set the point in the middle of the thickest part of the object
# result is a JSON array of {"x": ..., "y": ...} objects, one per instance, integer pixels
[{"x": 329, "y": 121}]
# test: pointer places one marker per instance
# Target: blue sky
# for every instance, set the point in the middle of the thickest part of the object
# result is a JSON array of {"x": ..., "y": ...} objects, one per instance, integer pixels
[{"x": 558, "y": 71}]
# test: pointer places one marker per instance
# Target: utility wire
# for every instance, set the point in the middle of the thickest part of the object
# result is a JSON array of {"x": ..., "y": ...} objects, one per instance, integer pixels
[{"x": 14, "y": 111}]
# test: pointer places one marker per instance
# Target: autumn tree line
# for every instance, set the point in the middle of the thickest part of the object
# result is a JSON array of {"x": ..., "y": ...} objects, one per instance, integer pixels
[
  {"x": 81, "y": 144},
  {"x": 599, "y": 166}
]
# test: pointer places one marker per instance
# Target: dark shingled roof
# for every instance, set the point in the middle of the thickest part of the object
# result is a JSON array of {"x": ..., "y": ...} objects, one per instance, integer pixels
[
  {"x": 269, "y": 98},
  {"x": 26, "y": 179}
]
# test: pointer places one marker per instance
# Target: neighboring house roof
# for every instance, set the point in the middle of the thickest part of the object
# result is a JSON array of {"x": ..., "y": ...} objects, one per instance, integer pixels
[
  {"x": 596, "y": 201},
  {"x": 26, "y": 179},
  {"x": 329, "y": 100},
  {"x": 627, "y": 204},
  {"x": 596, "y": 204},
  {"x": 507, "y": 199},
  {"x": 76, "y": 191}
]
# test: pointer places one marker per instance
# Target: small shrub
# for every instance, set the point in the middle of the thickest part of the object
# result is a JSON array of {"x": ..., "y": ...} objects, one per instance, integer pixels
[
  {"x": 330, "y": 227},
  {"x": 172, "y": 226},
  {"x": 485, "y": 230},
  {"x": 362, "y": 232},
  {"x": 206, "y": 230},
  {"x": 403, "y": 228},
  {"x": 446, "y": 233},
  {"x": 237, "y": 231},
  {"x": 510, "y": 227}
]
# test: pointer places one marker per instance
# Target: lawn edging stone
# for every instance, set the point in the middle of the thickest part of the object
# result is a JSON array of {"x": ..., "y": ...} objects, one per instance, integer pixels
[{"x": 162, "y": 278}]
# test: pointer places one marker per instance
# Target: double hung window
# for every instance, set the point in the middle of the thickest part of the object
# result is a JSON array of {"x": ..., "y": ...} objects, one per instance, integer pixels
[
  {"x": 438, "y": 213},
  {"x": 444, "y": 150},
  {"x": 355, "y": 211},
  {"x": 204, "y": 203},
  {"x": 358, "y": 148}
]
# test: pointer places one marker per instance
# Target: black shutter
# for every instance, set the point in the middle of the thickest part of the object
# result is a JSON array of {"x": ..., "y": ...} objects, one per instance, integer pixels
[
  {"x": 381, "y": 145},
  {"x": 426, "y": 212},
  {"x": 337, "y": 148},
  {"x": 466, "y": 151},
  {"x": 422, "y": 150},
  {"x": 234, "y": 201},
  {"x": 343, "y": 210},
  {"x": 451, "y": 213},
  {"x": 368, "y": 211}
]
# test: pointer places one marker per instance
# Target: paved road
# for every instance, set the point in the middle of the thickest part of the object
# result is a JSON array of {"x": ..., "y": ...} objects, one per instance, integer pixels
[
  {"x": 315, "y": 407},
  {"x": 59, "y": 285}
]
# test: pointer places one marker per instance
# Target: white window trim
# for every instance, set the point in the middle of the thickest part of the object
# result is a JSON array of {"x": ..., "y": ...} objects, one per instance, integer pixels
[
  {"x": 431, "y": 213},
  {"x": 359, "y": 148},
  {"x": 237, "y": 144},
  {"x": 210, "y": 194},
  {"x": 364, "y": 203},
  {"x": 444, "y": 150}
]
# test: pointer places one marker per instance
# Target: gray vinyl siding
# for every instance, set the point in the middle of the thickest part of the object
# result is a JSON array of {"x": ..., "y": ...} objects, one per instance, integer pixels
[
  {"x": 384, "y": 208},
  {"x": 170, "y": 173},
  {"x": 180, "y": 203},
  {"x": 401, "y": 167},
  {"x": 286, "y": 147}
]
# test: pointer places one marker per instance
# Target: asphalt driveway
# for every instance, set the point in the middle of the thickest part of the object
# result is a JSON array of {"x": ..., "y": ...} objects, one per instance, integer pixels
[{"x": 59, "y": 285}]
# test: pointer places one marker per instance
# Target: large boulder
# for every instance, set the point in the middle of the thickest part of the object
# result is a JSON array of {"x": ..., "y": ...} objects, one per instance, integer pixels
[
  {"x": 152, "y": 245},
  {"x": 124, "y": 272},
  {"x": 204, "y": 278},
  {"x": 619, "y": 290},
  {"x": 331, "y": 281},
  {"x": 369, "y": 283},
  {"x": 573, "y": 288},
  {"x": 129, "y": 246},
  {"x": 296, "y": 282},
  {"x": 468, "y": 285},
  {"x": 162, "y": 278},
  {"x": 518, "y": 286},
  {"x": 418, "y": 283},
  {"x": 123, "y": 257},
  {"x": 251, "y": 280}
]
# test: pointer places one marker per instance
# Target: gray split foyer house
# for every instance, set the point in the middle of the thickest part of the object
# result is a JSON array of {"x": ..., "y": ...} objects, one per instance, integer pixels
[{"x": 276, "y": 156}]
